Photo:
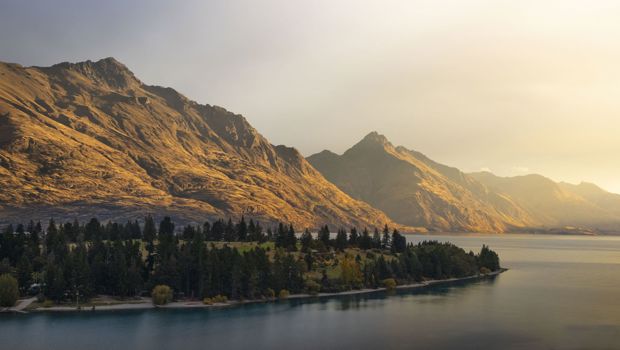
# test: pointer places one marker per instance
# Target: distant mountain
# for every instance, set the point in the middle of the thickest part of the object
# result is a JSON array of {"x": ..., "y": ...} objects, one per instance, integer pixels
[
  {"x": 85, "y": 139},
  {"x": 416, "y": 191},
  {"x": 554, "y": 204}
]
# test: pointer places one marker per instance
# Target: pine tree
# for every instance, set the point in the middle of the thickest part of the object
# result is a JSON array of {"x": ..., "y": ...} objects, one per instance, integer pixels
[
  {"x": 365, "y": 242},
  {"x": 280, "y": 238},
  {"x": 354, "y": 238},
  {"x": 385, "y": 240},
  {"x": 399, "y": 242},
  {"x": 291, "y": 239},
  {"x": 341, "y": 240},
  {"x": 24, "y": 273},
  {"x": 230, "y": 235},
  {"x": 306, "y": 241},
  {"x": 92, "y": 230},
  {"x": 242, "y": 230},
  {"x": 376, "y": 239},
  {"x": 324, "y": 236}
]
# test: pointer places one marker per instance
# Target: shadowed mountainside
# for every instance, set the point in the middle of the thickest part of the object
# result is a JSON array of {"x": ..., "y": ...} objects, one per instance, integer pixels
[{"x": 89, "y": 139}]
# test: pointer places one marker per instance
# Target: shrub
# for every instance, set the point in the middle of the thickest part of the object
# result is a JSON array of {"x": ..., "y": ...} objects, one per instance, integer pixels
[
  {"x": 48, "y": 303},
  {"x": 220, "y": 299},
  {"x": 313, "y": 287},
  {"x": 9, "y": 290},
  {"x": 270, "y": 293},
  {"x": 161, "y": 295},
  {"x": 216, "y": 299},
  {"x": 484, "y": 270},
  {"x": 283, "y": 294},
  {"x": 389, "y": 283}
]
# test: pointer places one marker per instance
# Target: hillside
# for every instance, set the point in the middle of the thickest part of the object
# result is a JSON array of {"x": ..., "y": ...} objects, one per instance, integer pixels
[
  {"x": 414, "y": 190},
  {"x": 89, "y": 138},
  {"x": 558, "y": 204}
]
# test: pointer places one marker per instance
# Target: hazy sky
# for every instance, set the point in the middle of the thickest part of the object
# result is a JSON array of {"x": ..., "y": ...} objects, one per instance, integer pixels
[{"x": 511, "y": 86}]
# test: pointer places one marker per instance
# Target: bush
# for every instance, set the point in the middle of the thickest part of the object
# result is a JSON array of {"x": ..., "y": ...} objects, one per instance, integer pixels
[
  {"x": 48, "y": 303},
  {"x": 270, "y": 293},
  {"x": 485, "y": 271},
  {"x": 215, "y": 300},
  {"x": 283, "y": 294},
  {"x": 313, "y": 287},
  {"x": 40, "y": 298},
  {"x": 389, "y": 283},
  {"x": 161, "y": 295},
  {"x": 9, "y": 290},
  {"x": 220, "y": 299}
]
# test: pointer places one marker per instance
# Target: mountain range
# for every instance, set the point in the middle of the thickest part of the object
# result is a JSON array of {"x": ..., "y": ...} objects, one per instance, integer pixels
[
  {"x": 87, "y": 139},
  {"x": 417, "y": 191}
]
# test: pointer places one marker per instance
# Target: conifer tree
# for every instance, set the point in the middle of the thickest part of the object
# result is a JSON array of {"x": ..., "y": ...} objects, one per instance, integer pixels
[
  {"x": 306, "y": 241},
  {"x": 385, "y": 240}
]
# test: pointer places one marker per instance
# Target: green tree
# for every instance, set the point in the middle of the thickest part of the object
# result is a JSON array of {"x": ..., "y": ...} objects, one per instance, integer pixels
[
  {"x": 9, "y": 290},
  {"x": 385, "y": 240},
  {"x": 341, "y": 240},
  {"x": 242, "y": 230},
  {"x": 291, "y": 239},
  {"x": 376, "y": 239},
  {"x": 24, "y": 273},
  {"x": 354, "y": 237},
  {"x": 399, "y": 242},
  {"x": 365, "y": 241},
  {"x": 324, "y": 236},
  {"x": 306, "y": 241},
  {"x": 55, "y": 282},
  {"x": 488, "y": 258}
]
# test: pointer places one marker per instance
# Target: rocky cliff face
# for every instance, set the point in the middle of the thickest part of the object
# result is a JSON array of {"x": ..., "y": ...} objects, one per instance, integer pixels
[
  {"x": 85, "y": 139},
  {"x": 416, "y": 191}
]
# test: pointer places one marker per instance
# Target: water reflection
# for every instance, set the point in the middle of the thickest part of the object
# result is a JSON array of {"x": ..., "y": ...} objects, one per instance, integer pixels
[{"x": 359, "y": 301}]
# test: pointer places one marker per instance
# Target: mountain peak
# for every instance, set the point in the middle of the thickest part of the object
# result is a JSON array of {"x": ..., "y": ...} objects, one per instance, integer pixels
[
  {"x": 373, "y": 140},
  {"x": 106, "y": 70},
  {"x": 375, "y": 137}
]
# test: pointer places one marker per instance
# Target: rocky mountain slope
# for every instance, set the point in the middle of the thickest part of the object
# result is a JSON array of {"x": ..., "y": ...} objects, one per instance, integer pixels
[
  {"x": 85, "y": 139},
  {"x": 414, "y": 190}
]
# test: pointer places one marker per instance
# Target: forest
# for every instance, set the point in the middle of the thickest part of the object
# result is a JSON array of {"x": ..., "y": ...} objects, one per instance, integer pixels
[{"x": 62, "y": 262}]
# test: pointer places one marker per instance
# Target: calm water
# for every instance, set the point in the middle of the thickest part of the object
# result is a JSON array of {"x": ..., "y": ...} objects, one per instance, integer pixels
[{"x": 560, "y": 293}]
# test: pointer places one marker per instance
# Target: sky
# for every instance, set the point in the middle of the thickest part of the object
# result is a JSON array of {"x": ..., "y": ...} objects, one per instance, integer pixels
[{"x": 514, "y": 87}]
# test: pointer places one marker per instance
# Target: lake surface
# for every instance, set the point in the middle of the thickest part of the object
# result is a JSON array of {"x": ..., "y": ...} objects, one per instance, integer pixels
[{"x": 561, "y": 292}]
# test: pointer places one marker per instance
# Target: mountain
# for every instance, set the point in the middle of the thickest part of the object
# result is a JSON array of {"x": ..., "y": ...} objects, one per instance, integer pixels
[
  {"x": 561, "y": 204},
  {"x": 416, "y": 191},
  {"x": 89, "y": 139}
]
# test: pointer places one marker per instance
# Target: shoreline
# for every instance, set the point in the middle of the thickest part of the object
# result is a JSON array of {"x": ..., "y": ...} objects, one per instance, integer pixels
[{"x": 146, "y": 305}]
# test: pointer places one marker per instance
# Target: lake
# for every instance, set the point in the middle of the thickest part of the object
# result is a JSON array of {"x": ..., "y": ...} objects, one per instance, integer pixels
[{"x": 561, "y": 292}]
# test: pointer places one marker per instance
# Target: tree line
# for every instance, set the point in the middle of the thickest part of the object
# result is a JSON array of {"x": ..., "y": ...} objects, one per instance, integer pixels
[{"x": 72, "y": 260}]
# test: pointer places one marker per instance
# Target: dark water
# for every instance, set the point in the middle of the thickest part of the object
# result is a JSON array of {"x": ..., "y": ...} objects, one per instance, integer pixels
[{"x": 560, "y": 293}]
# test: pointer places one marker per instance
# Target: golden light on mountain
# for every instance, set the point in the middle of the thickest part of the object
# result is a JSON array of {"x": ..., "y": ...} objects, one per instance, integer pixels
[{"x": 90, "y": 139}]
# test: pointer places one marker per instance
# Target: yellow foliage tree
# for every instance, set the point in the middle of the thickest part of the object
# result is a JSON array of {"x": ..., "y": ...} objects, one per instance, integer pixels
[{"x": 351, "y": 272}]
